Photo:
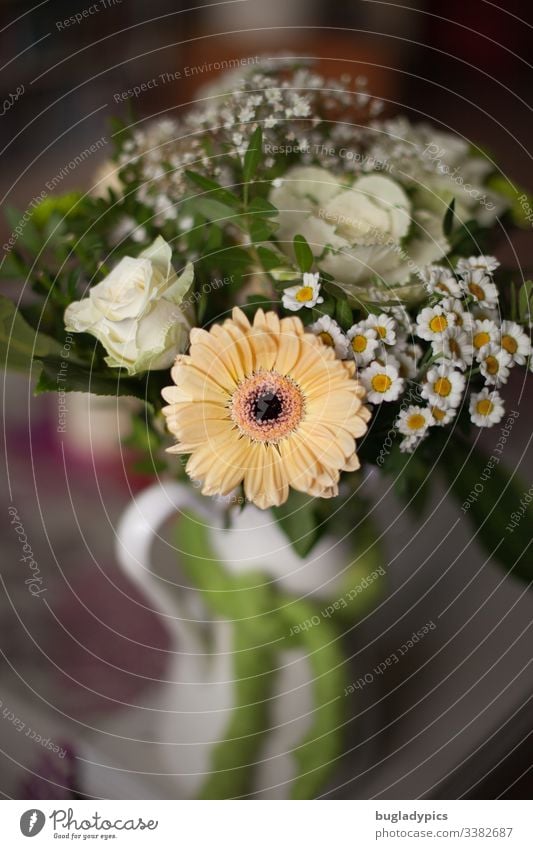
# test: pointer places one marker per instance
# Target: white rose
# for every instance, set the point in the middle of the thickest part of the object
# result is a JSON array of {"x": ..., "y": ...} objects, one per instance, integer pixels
[
  {"x": 135, "y": 311},
  {"x": 357, "y": 231}
]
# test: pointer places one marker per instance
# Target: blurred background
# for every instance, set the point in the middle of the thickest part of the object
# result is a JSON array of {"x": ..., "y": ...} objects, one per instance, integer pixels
[{"x": 454, "y": 718}]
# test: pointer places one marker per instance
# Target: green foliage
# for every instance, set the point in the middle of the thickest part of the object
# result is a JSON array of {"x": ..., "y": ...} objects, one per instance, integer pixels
[
  {"x": 466, "y": 468},
  {"x": 521, "y": 297},
  {"x": 253, "y": 155},
  {"x": 20, "y": 344},
  {"x": 520, "y": 201},
  {"x": 447, "y": 224},
  {"x": 343, "y": 314},
  {"x": 263, "y": 621},
  {"x": 297, "y": 520},
  {"x": 303, "y": 253}
]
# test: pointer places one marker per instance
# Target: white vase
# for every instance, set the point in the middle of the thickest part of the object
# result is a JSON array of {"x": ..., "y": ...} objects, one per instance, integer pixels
[{"x": 192, "y": 710}]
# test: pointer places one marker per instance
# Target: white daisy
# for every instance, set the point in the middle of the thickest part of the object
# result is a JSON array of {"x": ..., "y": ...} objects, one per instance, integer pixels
[
  {"x": 382, "y": 382},
  {"x": 477, "y": 284},
  {"x": 306, "y": 295},
  {"x": 487, "y": 264},
  {"x": 485, "y": 313},
  {"x": 408, "y": 357},
  {"x": 433, "y": 322},
  {"x": 385, "y": 327},
  {"x": 414, "y": 421},
  {"x": 331, "y": 334},
  {"x": 515, "y": 341},
  {"x": 455, "y": 345},
  {"x": 440, "y": 280},
  {"x": 486, "y": 408},
  {"x": 363, "y": 342},
  {"x": 409, "y": 444},
  {"x": 494, "y": 364},
  {"x": 444, "y": 386},
  {"x": 484, "y": 333},
  {"x": 404, "y": 324},
  {"x": 442, "y": 415},
  {"x": 463, "y": 317}
]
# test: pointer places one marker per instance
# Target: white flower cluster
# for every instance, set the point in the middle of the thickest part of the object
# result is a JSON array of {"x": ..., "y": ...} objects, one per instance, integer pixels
[
  {"x": 289, "y": 109},
  {"x": 464, "y": 338}
]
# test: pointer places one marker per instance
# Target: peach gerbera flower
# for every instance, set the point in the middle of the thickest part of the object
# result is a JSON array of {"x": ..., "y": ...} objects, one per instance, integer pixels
[{"x": 268, "y": 405}]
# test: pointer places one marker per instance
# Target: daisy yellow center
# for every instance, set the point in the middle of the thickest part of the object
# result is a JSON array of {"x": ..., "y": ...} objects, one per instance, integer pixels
[
  {"x": 327, "y": 338},
  {"x": 454, "y": 346},
  {"x": 476, "y": 291},
  {"x": 442, "y": 386},
  {"x": 437, "y": 413},
  {"x": 481, "y": 339},
  {"x": 267, "y": 406},
  {"x": 381, "y": 382},
  {"x": 438, "y": 324},
  {"x": 382, "y": 332},
  {"x": 484, "y": 407},
  {"x": 359, "y": 343},
  {"x": 416, "y": 421},
  {"x": 510, "y": 344},
  {"x": 492, "y": 365},
  {"x": 304, "y": 294}
]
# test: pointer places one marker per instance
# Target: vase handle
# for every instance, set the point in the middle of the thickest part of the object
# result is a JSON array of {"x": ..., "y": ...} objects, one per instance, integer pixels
[{"x": 137, "y": 530}]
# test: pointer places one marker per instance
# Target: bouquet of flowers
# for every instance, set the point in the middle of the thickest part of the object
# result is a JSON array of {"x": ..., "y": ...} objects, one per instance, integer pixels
[{"x": 292, "y": 286}]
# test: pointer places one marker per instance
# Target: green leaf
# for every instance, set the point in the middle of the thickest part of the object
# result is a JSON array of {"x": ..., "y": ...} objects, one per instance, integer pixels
[
  {"x": 490, "y": 497},
  {"x": 343, "y": 314},
  {"x": 524, "y": 305},
  {"x": 215, "y": 211},
  {"x": 248, "y": 602},
  {"x": 217, "y": 192},
  {"x": 262, "y": 207},
  {"x": 269, "y": 258},
  {"x": 252, "y": 157},
  {"x": 20, "y": 344},
  {"x": 447, "y": 224},
  {"x": 261, "y": 230},
  {"x": 63, "y": 375},
  {"x": 520, "y": 201},
  {"x": 316, "y": 756},
  {"x": 297, "y": 520},
  {"x": 303, "y": 253}
]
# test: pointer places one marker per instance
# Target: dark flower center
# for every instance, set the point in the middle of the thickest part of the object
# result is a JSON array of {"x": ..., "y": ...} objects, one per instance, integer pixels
[{"x": 267, "y": 407}]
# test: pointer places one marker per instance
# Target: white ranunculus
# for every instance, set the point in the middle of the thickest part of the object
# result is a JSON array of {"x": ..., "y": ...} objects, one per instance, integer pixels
[
  {"x": 367, "y": 235},
  {"x": 135, "y": 312}
]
